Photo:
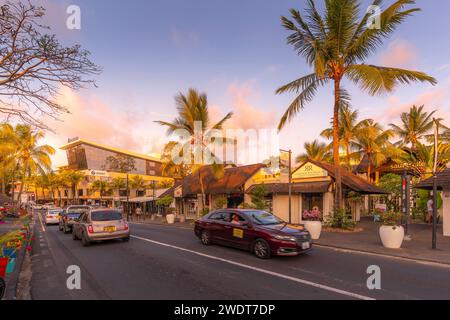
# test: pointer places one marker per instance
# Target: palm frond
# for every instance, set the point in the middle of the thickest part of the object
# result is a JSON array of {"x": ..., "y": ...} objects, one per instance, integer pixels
[{"x": 377, "y": 80}]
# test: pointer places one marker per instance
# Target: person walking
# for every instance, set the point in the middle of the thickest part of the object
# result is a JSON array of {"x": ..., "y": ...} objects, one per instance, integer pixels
[
  {"x": 138, "y": 213},
  {"x": 430, "y": 210}
]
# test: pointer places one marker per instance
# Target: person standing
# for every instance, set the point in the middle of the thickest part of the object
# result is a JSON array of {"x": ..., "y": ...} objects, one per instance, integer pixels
[
  {"x": 138, "y": 213},
  {"x": 430, "y": 210}
]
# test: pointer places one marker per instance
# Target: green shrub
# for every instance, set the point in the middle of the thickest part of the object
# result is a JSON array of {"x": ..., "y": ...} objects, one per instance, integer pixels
[
  {"x": 391, "y": 218},
  {"x": 258, "y": 197},
  {"x": 205, "y": 211},
  {"x": 341, "y": 219},
  {"x": 220, "y": 202}
]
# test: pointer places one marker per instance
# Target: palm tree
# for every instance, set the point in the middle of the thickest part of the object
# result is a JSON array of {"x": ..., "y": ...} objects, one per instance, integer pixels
[
  {"x": 194, "y": 119},
  {"x": 28, "y": 157},
  {"x": 137, "y": 183},
  {"x": 73, "y": 178},
  {"x": 421, "y": 159},
  {"x": 101, "y": 186},
  {"x": 373, "y": 142},
  {"x": 336, "y": 45},
  {"x": 315, "y": 150},
  {"x": 415, "y": 125},
  {"x": 348, "y": 128},
  {"x": 117, "y": 184}
]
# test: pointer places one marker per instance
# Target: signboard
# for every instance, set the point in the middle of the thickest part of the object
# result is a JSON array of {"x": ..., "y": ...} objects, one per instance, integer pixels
[
  {"x": 178, "y": 192},
  {"x": 98, "y": 173},
  {"x": 309, "y": 170}
]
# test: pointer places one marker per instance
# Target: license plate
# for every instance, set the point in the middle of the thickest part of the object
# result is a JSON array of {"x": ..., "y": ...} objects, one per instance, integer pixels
[
  {"x": 305, "y": 245},
  {"x": 109, "y": 229}
]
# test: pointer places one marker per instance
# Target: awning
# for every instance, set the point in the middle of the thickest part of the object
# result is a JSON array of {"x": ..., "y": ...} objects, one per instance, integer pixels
[
  {"x": 297, "y": 187},
  {"x": 140, "y": 199}
]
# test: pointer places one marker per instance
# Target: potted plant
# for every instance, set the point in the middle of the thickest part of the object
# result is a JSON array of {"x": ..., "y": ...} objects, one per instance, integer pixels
[
  {"x": 313, "y": 222},
  {"x": 391, "y": 232},
  {"x": 165, "y": 202}
]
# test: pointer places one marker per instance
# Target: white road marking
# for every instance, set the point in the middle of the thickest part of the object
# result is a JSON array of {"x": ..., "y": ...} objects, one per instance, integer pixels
[
  {"x": 40, "y": 220},
  {"x": 275, "y": 274}
]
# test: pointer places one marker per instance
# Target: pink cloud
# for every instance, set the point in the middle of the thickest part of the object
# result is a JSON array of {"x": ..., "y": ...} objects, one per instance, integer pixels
[
  {"x": 246, "y": 115},
  {"x": 433, "y": 99},
  {"x": 400, "y": 54},
  {"x": 91, "y": 119}
]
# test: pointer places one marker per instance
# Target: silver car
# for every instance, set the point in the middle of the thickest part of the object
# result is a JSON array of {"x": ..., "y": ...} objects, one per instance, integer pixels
[{"x": 100, "y": 224}]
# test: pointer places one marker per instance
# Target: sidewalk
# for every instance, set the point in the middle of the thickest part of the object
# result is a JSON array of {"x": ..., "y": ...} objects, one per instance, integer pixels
[{"x": 368, "y": 240}]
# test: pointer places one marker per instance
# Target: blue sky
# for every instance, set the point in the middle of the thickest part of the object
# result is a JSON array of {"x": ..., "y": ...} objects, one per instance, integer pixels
[{"x": 236, "y": 52}]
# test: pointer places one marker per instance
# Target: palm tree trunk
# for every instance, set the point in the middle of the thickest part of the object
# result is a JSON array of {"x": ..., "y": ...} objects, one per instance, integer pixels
[
  {"x": 369, "y": 168},
  {"x": 338, "y": 191},
  {"x": 347, "y": 146},
  {"x": 202, "y": 188}
]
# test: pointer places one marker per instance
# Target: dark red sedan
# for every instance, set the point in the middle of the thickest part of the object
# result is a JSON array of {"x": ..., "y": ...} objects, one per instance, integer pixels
[{"x": 253, "y": 230}]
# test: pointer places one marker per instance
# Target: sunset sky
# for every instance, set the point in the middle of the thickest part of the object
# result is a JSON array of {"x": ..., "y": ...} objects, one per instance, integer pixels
[{"x": 233, "y": 50}]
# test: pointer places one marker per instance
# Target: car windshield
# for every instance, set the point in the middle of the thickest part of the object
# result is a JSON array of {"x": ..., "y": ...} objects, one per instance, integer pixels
[
  {"x": 106, "y": 215},
  {"x": 263, "y": 218},
  {"x": 55, "y": 211}
]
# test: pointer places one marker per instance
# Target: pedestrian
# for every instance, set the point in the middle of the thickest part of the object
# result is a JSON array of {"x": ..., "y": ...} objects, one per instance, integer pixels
[
  {"x": 138, "y": 213},
  {"x": 430, "y": 209}
]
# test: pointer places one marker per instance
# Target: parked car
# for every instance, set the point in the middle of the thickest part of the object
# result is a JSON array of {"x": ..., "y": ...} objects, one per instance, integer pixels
[
  {"x": 52, "y": 216},
  {"x": 254, "y": 230},
  {"x": 69, "y": 215},
  {"x": 100, "y": 224}
]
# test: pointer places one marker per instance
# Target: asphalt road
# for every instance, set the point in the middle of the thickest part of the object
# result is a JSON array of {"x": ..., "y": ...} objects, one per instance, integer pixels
[{"x": 169, "y": 262}]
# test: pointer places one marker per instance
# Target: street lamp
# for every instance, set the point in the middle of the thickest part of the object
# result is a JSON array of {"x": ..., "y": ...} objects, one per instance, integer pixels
[{"x": 290, "y": 182}]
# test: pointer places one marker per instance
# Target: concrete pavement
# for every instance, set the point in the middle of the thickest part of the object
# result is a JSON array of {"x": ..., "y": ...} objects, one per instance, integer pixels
[{"x": 168, "y": 262}]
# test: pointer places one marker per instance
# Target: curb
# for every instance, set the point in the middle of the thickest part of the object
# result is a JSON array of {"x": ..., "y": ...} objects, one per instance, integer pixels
[{"x": 390, "y": 256}]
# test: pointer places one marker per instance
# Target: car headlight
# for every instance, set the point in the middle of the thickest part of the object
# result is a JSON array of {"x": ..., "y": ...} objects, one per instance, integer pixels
[{"x": 285, "y": 238}]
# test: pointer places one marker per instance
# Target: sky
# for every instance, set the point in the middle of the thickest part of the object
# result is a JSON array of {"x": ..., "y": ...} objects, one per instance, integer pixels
[{"x": 235, "y": 51}]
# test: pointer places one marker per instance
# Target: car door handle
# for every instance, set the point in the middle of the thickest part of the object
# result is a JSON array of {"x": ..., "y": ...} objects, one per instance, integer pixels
[{"x": 227, "y": 227}]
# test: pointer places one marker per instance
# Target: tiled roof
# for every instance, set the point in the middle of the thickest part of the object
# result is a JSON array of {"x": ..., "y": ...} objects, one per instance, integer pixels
[
  {"x": 443, "y": 181},
  {"x": 233, "y": 180},
  {"x": 349, "y": 179}
]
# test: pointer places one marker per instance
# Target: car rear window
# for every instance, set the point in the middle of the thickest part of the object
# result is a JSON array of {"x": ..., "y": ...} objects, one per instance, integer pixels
[{"x": 106, "y": 215}]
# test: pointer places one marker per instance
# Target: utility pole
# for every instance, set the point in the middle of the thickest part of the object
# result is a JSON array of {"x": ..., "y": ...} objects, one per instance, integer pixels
[
  {"x": 290, "y": 182},
  {"x": 128, "y": 204},
  {"x": 436, "y": 133}
]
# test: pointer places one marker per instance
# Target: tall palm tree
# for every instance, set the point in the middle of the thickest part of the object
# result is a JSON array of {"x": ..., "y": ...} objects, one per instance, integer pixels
[
  {"x": 335, "y": 45},
  {"x": 194, "y": 118},
  {"x": 415, "y": 125},
  {"x": 28, "y": 157},
  {"x": 315, "y": 150},
  {"x": 373, "y": 142},
  {"x": 348, "y": 128},
  {"x": 73, "y": 179}
]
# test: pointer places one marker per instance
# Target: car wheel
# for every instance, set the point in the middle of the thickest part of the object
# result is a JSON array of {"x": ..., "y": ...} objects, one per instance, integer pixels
[
  {"x": 65, "y": 229},
  {"x": 126, "y": 239},
  {"x": 60, "y": 228},
  {"x": 205, "y": 238},
  {"x": 85, "y": 241},
  {"x": 74, "y": 235},
  {"x": 261, "y": 249}
]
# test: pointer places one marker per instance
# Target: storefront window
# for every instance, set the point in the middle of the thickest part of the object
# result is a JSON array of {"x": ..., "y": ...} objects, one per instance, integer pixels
[{"x": 311, "y": 200}]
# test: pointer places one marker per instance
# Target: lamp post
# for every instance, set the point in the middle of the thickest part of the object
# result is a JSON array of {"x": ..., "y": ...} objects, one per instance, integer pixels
[{"x": 290, "y": 182}]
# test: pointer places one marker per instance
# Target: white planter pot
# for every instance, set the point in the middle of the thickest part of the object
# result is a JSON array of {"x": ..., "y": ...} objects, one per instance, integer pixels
[
  {"x": 314, "y": 228},
  {"x": 170, "y": 218},
  {"x": 392, "y": 237}
]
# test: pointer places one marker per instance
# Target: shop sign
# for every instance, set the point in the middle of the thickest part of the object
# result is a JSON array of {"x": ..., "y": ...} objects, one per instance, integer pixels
[
  {"x": 99, "y": 173},
  {"x": 309, "y": 170}
]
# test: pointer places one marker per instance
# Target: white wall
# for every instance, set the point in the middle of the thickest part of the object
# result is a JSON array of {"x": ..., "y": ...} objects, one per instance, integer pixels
[{"x": 446, "y": 212}]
